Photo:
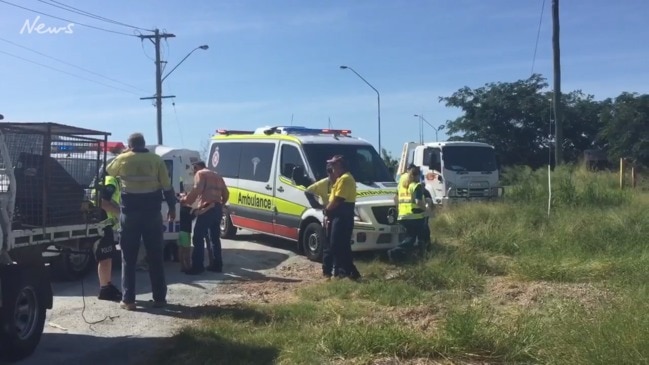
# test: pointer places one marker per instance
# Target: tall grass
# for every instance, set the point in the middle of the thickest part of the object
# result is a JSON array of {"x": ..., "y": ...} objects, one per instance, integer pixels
[
  {"x": 594, "y": 242},
  {"x": 572, "y": 186}
]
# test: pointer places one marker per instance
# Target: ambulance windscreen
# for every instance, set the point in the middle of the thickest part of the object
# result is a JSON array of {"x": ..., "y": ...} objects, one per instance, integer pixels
[{"x": 364, "y": 162}]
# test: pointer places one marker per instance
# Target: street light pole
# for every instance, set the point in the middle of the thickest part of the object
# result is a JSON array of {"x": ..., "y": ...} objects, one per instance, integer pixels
[
  {"x": 378, "y": 98},
  {"x": 421, "y": 128},
  {"x": 436, "y": 129},
  {"x": 159, "y": 79}
]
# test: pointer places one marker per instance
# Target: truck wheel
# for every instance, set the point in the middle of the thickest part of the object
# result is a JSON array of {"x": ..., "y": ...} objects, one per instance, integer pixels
[
  {"x": 227, "y": 229},
  {"x": 23, "y": 320},
  {"x": 312, "y": 241},
  {"x": 73, "y": 266}
]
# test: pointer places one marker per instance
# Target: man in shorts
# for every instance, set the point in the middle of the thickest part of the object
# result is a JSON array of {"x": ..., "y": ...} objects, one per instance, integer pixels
[{"x": 105, "y": 248}]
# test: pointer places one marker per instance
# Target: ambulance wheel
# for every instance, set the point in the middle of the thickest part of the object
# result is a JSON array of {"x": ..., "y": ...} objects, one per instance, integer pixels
[
  {"x": 23, "y": 319},
  {"x": 227, "y": 229},
  {"x": 313, "y": 241}
]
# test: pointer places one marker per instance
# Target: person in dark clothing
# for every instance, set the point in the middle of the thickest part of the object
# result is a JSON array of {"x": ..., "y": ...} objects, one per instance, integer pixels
[
  {"x": 340, "y": 213},
  {"x": 144, "y": 178}
]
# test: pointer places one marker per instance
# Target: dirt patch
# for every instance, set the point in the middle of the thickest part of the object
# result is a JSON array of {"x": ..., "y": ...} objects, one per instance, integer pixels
[
  {"x": 277, "y": 285},
  {"x": 508, "y": 292}
]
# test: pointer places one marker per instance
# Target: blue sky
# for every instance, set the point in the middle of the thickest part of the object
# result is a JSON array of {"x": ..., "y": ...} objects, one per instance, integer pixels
[{"x": 269, "y": 60}]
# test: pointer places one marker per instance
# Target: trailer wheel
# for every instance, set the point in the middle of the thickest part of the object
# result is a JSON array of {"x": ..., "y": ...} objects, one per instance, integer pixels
[
  {"x": 73, "y": 266},
  {"x": 313, "y": 241},
  {"x": 23, "y": 320},
  {"x": 227, "y": 229}
]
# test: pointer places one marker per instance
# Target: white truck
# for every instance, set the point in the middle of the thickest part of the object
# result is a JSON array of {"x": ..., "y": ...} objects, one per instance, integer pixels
[
  {"x": 41, "y": 204},
  {"x": 79, "y": 162},
  {"x": 455, "y": 171}
]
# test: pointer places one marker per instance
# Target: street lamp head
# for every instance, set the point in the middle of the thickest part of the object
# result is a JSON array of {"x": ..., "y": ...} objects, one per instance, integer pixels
[
  {"x": 204, "y": 47},
  {"x": 343, "y": 67},
  {"x": 416, "y": 115}
]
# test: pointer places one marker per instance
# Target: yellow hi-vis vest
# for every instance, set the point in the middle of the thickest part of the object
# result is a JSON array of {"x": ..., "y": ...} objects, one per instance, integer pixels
[
  {"x": 407, "y": 203},
  {"x": 116, "y": 198}
]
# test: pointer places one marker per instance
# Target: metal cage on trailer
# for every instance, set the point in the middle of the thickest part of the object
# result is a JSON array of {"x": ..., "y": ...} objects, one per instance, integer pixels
[{"x": 42, "y": 203}]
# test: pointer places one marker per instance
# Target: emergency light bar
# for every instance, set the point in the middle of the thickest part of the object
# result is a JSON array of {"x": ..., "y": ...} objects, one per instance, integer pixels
[
  {"x": 229, "y": 131},
  {"x": 62, "y": 148},
  {"x": 305, "y": 130}
]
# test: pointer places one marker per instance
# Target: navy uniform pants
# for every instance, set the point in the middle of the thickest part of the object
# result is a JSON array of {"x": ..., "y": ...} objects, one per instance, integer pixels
[
  {"x": 338, "y": 254},
  {"x": 145, "y": 227},
  {"x": 414, "y": 228}
]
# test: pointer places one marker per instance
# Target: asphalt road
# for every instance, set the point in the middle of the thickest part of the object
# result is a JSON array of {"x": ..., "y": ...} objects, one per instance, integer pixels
[{"x": 124, "y": 337}]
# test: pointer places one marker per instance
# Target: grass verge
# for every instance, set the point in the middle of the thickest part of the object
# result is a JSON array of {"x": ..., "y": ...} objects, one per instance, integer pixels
[{"x": 503, "y": 283}]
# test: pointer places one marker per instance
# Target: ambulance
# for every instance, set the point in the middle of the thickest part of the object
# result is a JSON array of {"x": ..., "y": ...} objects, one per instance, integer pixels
[
  {"x": 81, "y": 164},
  {"x": 267, "y": 171}
]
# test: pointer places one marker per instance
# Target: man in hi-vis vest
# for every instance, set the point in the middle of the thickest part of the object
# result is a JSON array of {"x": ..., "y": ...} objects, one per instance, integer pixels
[
  {"x": 411, "y": 207},
  {"x": 109, "y": 201}
]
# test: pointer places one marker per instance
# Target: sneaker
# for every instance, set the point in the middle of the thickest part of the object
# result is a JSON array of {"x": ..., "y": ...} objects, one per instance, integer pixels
[
  {"x": 110, "y": 293},
  {"x": 127, "y": 306}
]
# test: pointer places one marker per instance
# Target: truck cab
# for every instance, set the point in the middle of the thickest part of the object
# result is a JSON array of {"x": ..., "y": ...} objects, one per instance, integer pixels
[{"x": 455, "y": 171}]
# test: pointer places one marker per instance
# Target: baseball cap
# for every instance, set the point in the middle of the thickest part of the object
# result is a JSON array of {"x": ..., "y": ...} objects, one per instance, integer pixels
[{"x": 336, "y": 158}]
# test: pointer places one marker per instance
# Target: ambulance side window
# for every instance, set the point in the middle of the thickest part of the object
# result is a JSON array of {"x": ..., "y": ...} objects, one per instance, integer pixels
[
  {"x": 224, "y": 158},
  {"x": 289, "y": 160},
  {"x": 256, "y": 161}
]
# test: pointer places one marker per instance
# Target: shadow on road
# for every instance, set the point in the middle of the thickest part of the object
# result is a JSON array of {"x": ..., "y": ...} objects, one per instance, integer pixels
[
  {"x": 266, "y": 240},
  {"x": 63, "y": 348},
  {"x": 206, "y": 346},
  {"x": 234, "y": 312},
  {"x": 239, "y": 265}
]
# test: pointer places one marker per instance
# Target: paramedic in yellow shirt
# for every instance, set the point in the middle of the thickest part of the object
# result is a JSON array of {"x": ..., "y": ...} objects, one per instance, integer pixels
[{"x": 340, "y": 212}]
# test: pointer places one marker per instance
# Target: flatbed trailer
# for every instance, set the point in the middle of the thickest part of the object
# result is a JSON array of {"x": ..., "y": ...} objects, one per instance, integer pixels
[{"x": 41, "y": 205}]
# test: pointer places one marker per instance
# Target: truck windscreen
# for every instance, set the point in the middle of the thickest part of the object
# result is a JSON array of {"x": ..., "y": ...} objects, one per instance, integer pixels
[
  {"x": 364, "y": 162},
  {"x": 469, "y": 158}
]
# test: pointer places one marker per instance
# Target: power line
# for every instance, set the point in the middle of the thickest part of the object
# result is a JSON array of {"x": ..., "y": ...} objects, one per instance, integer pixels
[
  {"x": 538, "y": 35},
  {"x": 66, "y": 20},
  {"x": 71, "y": 65},
  {"x": 180, "y": 130},
  {"x": 65, "y": 72},
  {"x": 88, "y": 14}
]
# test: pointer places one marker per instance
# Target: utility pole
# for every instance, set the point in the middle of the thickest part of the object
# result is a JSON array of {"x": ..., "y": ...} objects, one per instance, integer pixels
[
  {"x": 155, "y": 38},
  {"x": 558, "y": 125}
]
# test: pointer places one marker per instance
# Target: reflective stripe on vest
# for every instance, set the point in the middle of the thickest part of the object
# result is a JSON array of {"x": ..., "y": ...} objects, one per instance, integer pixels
[{"x": 407, "y": 202}]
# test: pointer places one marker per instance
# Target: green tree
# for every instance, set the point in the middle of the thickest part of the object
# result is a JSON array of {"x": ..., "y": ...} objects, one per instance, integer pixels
[
  {"x": 390, "y": 161},
  {"x": 516, "y": 118},
  {"x": 511, "y": 116},
  {"x": 625, "y": 123}
]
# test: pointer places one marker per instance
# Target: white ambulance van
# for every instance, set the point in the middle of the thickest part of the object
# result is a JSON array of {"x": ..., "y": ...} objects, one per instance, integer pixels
[{"x": 267, "y": 171}]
